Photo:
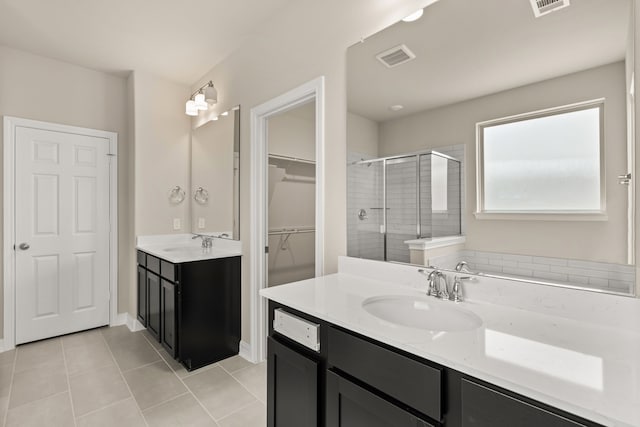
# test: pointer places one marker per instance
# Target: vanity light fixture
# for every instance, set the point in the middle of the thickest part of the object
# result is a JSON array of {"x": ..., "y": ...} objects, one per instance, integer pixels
[
  {"x": 414, "y": 16},
  {"x": 190, "y": 108},
  {"x": 201, "y": 104},
  {"x": 201, "y": 99}
]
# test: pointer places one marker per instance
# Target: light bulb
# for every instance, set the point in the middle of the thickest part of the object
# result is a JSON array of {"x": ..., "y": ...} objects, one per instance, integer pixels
[
  {"x": 414, "y": 16},
  {"x": 201, "y": 104},
  {"x": 190, "y": 108}
]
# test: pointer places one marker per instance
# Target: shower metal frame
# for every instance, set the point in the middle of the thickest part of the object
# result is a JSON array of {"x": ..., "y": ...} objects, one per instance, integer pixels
[{"x": 416, "y": 155}]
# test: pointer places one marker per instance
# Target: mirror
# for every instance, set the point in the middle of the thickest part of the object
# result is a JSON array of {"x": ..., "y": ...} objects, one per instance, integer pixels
[
  {"x": 215, "y": 177},
  {"x": 504, "y": 94}
]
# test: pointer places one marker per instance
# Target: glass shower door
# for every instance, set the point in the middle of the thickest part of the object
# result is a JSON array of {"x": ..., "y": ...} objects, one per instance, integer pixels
[
  {"x": 402, "y": 212},
  {"x": 365, "y": 207}
]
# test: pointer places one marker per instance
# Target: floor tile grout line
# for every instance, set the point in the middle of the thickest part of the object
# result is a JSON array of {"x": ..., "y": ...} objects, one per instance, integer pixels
[
  {"x": 39, "y": 399},
  {"x": 155, "y": 405},
  {"x": 242, "y": 408},
  {"x": 93, "y": 411},
  {"x": 66, "y": 373},
  {"x": 246, "y": 388},
  {"x": 125, "y": 380},
  {"x": 183, "y": 383},
  {"x": 146, "y": 365},
  {"x": 13, "y": 371}
]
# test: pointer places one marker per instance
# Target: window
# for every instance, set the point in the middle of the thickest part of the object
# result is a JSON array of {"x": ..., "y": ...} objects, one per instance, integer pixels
[{"x": 547, "y": 162}]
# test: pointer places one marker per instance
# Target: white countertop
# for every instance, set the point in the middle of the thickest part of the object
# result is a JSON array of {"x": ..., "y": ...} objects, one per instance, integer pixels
[
  {"x": 178, "y": 248},
  {"x": 583, "y": 367}
]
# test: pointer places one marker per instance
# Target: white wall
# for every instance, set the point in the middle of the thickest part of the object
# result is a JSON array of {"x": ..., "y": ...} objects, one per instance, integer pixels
[
  {"x": 292, "y": 133},
  {"x": 162, "y": 154},
  {"x": 305, "y": 40},
  {"x": 39, "y": 88},
  {"x": 596, "y": 241},
  {"x": 362, "y": 135}
]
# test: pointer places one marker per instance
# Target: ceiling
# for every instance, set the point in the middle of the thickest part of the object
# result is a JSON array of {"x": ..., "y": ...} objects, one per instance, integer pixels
[
  {"x": 178, "y": 40},
  {"x": 467, "y": 49}
]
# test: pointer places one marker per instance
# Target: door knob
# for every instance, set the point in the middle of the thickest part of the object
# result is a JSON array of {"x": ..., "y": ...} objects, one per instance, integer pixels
[{"x": 24, "y": 246}]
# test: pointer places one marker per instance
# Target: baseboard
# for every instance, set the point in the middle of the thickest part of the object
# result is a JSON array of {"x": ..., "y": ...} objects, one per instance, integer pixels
[
  {"x": 245, "y": 351},
  {"x": 2, "y": 349},
  {"x": 133, "y": 324},
  {"x": 121, "y": 319},
  {"x": 127, "y": 319}
]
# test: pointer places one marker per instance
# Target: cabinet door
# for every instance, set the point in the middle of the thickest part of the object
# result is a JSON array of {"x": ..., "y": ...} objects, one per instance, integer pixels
[
  {"x": 168, "y": 317},
  {"x": 153, "y": 310},
  {"x": 292, "y": 385},
  {"x": 349, "y": 405},
  {"x": 142, "y": 295},
  {"x": 485, "y": 407}
]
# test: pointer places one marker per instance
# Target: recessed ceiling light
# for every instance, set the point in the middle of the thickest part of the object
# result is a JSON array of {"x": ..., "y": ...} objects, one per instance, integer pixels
[
  {"x": 414, "y": 16},
  {"x": 396, "y": 107}
]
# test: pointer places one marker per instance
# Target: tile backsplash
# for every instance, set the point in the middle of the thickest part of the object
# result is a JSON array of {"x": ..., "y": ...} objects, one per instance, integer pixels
[{"x": 588, "y": 274}]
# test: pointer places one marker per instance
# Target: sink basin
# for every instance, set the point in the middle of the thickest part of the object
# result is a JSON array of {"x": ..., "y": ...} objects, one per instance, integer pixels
[{"x": 421, "y": 313}]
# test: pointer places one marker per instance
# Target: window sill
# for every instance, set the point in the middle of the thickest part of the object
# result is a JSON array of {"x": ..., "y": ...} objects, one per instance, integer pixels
[{"x": 542, "y": 216}]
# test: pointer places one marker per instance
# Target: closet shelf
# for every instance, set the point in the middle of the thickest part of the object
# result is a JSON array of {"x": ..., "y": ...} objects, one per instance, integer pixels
[{"x": 291, "y": 159}]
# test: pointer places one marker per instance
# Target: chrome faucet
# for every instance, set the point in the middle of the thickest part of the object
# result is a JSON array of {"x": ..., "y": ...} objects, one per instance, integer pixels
[
  {"x": 462, "y": 265},
  {"x": 207, "y": 241},
  {"x": 436, "y": 287},
  {"x": 457, "y": 294}
]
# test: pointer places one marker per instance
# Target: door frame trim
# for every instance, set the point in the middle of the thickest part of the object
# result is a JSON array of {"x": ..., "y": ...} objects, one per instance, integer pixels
[
  {"x": 313, "y": 89},
  {"x": 10, "y": 125}
]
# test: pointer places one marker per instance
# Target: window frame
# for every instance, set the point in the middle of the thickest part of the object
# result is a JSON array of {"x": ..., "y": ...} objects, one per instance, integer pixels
[{"x": 556, "y": 215}]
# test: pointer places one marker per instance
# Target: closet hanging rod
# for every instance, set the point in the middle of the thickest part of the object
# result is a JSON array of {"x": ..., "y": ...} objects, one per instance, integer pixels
[
  {"x": 292, "y": 159},
  {"x": 291, "y": 231},
  {"x": 299, "y": 178}
]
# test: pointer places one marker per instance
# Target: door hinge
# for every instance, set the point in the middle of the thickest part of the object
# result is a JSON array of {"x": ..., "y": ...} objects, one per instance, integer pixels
[
  {"x": 266, "y": 249},
  {"x": 111, "y": 155}
]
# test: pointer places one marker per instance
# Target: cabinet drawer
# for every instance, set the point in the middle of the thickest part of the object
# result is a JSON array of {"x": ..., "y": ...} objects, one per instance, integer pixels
[
  {"x": 349, "y": 405},
  {"x": 153, "y": 264},
  {"x": 168, "y": 271},
  {"x": 413, "y": 383},
  {"x": 485, "y": 407},
  {"x": 142, "y": 259}
]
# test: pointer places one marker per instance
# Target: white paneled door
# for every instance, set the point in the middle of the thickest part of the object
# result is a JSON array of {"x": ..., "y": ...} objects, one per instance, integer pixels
[{"x": 61, "y": 233}]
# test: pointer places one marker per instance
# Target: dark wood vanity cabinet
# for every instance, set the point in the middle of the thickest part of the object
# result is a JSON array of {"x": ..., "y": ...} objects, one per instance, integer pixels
[
  {"x": 153, "y": 304},
  {"x": 191, "y": 308},
  {"x": 168, "y": 321},
  {"x": 360, "y": 382},
  {"x": 293, "y": 380}
]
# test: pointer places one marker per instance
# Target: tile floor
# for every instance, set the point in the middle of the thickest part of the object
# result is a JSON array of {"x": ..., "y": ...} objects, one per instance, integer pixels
[{"x": 113, "y": 377}]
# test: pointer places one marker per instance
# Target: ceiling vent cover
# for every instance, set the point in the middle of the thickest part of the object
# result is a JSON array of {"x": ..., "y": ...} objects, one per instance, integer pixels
[
  {"x": 542, "y": 7},
  {"x": 395, "y": 56}
]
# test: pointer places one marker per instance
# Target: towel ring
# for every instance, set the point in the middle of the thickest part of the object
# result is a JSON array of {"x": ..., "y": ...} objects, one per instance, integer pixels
[
  {"x": 201, "y": 196},
  {"x": 176, "y": 195}
]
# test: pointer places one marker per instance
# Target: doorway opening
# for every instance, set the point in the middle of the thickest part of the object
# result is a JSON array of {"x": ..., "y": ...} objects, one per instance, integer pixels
[{"x": 279, "y": 162}]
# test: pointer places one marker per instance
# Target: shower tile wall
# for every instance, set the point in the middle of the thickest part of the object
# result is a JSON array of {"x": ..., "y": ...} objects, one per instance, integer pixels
[
  {"x": 402, "y": 222},
  {"x": 364, "y": 191}
]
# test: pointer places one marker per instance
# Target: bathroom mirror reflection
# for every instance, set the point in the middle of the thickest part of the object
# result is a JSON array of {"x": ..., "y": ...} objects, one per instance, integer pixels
[
  {"x": 215, "y": 177},
  {"x": 537, "y": 115}
]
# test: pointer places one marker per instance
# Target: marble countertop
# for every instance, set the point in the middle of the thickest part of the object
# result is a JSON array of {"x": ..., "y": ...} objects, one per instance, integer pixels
[
  {"x": 182, "y": 248},
  {"x": 582, "y": 367}
]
